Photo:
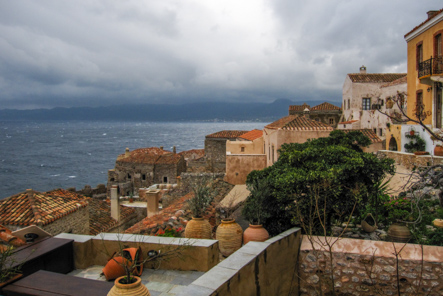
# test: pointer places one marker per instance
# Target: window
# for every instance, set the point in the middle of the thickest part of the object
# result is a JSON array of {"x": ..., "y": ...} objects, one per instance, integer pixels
[
  {"x": 272, "y": 153},
  {"x": 144, "y": 177},
  {"x": 242, "y": 149},
  {"x": 419, "y": 106},
  {"x": 165, "y": 179},
  {"x": 129, "y": 176},
  {"x": 380, "y": 132},
  {"x": 349, "y": 104},
  {"x": 366, "y": 105},
  {"x": 437, "y": 45},
  {"x": 331, "y": 121},
  {"x": 419, "y": 54},
  {"x": 375, "y": 131}
]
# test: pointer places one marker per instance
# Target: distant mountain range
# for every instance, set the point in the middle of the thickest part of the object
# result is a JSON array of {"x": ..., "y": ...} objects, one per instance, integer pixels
[{"x": 150, "y": 112}]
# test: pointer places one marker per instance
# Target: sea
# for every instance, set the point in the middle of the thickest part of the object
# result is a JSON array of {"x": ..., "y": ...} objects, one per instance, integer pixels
[{"x": 44, "y": 155}]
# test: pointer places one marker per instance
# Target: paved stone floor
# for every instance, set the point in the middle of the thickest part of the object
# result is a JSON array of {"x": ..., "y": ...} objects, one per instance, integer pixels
[{"x": 159, "y": 282}]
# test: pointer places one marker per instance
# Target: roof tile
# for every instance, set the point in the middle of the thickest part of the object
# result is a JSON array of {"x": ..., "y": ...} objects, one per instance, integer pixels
[
  {"x": 427, "y": 20},
  {"x": 252, "y": 135},
  {"x": 375, "y": 78},
  {"x": 227, "y": 134},
  {"x": 367, "y": 132},
  {"x": 298, "y": 123}
]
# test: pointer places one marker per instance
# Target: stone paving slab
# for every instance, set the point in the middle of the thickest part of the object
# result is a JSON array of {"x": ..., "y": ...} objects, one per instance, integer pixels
[{"x": 159, "y": 282}]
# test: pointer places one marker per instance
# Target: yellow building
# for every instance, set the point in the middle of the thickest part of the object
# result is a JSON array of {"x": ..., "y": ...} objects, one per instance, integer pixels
[{"x": 424, "y": 80}]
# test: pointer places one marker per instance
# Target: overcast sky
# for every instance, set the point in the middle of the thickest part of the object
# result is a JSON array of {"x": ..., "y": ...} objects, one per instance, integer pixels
[{"x": 56, "y": 53}]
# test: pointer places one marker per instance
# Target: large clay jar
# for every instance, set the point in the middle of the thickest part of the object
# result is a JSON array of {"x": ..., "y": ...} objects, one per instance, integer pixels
[
  {"x": 399, "y": 233},
  {"x": 255, "y": 233},
  {"x": 134, "y": 289},
  {"x": 198, "y": 228},
  {"x": 438, "y": 151},
  {"x": 229, "y": 235},
  {"x": 114, "y": 268}
]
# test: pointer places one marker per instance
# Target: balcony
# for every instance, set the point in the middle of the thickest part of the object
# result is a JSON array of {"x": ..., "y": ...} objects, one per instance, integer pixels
[{"x": 433, "y": 66}]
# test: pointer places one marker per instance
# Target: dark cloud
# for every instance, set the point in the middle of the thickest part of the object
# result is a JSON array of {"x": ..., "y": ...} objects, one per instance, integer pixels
[{"x": 97, "y": 52}]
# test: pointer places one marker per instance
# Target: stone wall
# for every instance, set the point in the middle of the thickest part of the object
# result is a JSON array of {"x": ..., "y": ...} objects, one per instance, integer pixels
[
  {"x": 76, "y": 222},
  {"x": 364, "y": 267},
  {"x": 410, "y": 160}
]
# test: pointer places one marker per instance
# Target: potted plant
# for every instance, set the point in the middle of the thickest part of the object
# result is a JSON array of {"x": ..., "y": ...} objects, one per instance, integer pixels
[
  {"x": 416, "y": 144},
  {"x": 255, "y": 211},
  {"x": 9, "y": 269},
  {"x": 399, "y": 210},
  {"x": 198, "y": 227}
]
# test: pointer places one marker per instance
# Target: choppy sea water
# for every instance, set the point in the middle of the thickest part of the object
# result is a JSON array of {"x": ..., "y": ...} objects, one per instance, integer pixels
[{"x": 60, "y": 154}]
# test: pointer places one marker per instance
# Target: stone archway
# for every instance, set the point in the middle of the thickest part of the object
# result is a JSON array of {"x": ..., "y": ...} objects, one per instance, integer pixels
[{"x": 393, "y": 144}]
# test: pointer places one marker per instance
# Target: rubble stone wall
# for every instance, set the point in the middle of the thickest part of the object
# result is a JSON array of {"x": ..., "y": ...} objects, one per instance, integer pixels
[
  {"x": 76, "y": 222},
  {"x": 364, "y": 267},
  {"x": 410, "y": 160}
]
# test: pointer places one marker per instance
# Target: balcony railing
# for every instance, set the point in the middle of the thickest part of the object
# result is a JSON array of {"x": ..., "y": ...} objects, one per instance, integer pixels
[{"x": 433, "y": 66}]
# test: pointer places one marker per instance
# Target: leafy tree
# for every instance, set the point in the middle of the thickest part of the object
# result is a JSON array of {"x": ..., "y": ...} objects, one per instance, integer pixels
[{"x": 333, "y": 168}]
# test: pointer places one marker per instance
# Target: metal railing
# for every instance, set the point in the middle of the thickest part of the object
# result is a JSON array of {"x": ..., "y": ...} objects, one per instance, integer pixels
[{"x": 433, "y": 66}]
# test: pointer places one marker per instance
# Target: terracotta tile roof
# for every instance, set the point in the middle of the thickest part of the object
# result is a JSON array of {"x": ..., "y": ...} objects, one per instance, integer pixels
[
  {"x": 226, "y": 134},
  {"x": 348, "y": 122},
  {"x": 427, "y": 20},
  {"x": 146, "y": 155},
  {"x": 402, "y": 80},
  {"x": 39, "y": 208},
  {"x": 325, "y": 107},
  {"x": 299, "y": 108},
  {"x": 196, "y": 153},
  {"x": 100, "y": 219},
  {"x": 252, "y": 135},
  {"x": 367, "y": 132},
  {"x": 375, "y": 78},
  {"x": 299, "y": 123},
  {"x": 165, "y": 215},
  {"x": 169, "y": 158},
  {"x": 8, "y": 239}
]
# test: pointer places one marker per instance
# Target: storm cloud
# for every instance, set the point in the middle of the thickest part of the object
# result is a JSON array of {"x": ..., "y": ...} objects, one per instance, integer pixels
[{"x": 57, "y": 53}]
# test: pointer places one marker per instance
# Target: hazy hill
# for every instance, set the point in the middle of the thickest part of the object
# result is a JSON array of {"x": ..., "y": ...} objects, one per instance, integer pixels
[{"x": 187, "y": 112}]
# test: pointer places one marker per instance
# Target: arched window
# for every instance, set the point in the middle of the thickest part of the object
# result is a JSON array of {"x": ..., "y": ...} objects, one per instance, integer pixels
[{"x": 393, "y": 144}]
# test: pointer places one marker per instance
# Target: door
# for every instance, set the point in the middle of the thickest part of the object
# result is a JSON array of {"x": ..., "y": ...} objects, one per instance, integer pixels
[{"x": 438, "y": 105}]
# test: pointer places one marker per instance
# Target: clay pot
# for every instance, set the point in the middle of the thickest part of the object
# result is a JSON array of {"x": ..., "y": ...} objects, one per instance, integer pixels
[
  {"x": 366, "y": 226},
  {"x": 255, "y": 233},
  {"x": 198, "y": 228},
  {"x": 438, "y": 223},
  {"x": 229, "y": 235},
  {"x": 399, "y": 233},
  {"x": 134, "y": 289},
  {"x": 438, "y": 151},
  {"x": 420, "y": 153},
  {"x": 412, "y": 133},
  {"x": 114, "y": 268}
]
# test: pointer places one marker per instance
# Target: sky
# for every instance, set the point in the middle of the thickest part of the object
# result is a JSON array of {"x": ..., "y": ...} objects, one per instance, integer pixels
[{"x": 58, "y": 53}]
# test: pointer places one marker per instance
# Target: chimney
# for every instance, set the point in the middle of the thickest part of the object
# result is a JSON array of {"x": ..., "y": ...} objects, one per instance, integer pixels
[
  {"x": 174, "y": 150},
  {"x": 30, "y": 193},
  {"x": 127, "y": 152},
  {"x": 152, "y": 198},
  {"x": 161, "y": 147},
  {"x": 432, "y": 13},
  {"x": 306, "y": 113},
  {"x": 115, "y": 204},
  {"x": 362, "y": 70}
]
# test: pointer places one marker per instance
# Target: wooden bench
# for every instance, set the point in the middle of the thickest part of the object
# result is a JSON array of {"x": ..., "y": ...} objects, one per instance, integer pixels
[{"x": 46, "y": 283}]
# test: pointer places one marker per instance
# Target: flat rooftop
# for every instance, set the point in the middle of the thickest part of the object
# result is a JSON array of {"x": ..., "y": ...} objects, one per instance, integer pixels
[{"x": 159, "y": 282}]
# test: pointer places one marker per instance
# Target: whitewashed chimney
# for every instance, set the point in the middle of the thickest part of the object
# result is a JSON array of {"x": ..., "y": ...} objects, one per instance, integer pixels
[
  {"x": 362, "y": 70},
  {"x": 115, "y": 204},
  {"x": 152, "y": 198},
  {"x": 127, "y": 153},
  {"x": 30, "y": 193}
]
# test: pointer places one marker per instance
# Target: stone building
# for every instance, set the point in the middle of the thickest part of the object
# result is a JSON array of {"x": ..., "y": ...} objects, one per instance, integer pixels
[
  {"x": 54, "y": 211},
  {"x": 215, "y": 149},
  {"x": 291, "y": 129},
  {"x": 364, "y": 94},
  {"x": 244, "y": 155},
  {"x": 144, "y": 167},
  {"x": 325, "y": 112}
]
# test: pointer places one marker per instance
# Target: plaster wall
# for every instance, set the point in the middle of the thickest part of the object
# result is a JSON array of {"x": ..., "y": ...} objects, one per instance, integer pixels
[
  {"x": 415, "y": 84},
  {"x": 399, "y": 132},
  {"x": 192, "y": 254},
  {"x": 369, "y": 119},
  {"x": 258, "y": 268},
  {"x": 250, "y": 147},
  {"x": 274, "y": 139},
  {"x": 238, "y": 166}
]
